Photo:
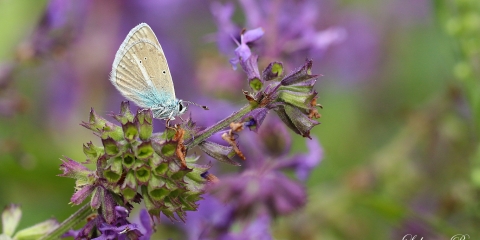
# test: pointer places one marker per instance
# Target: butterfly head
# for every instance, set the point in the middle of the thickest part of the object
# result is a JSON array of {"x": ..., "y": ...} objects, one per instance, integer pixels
[{"x": 181, "y": 107}]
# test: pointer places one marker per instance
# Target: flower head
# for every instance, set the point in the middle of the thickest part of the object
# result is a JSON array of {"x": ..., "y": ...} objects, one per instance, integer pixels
[{"x": 134, "y": 164}]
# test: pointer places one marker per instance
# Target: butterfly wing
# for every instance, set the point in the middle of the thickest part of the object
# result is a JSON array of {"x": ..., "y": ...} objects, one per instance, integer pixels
[{"x": 140, "y": 70}]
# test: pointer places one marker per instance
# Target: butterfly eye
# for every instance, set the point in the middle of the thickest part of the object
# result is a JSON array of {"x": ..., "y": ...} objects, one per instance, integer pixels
[{"x": 180, "y": 107}]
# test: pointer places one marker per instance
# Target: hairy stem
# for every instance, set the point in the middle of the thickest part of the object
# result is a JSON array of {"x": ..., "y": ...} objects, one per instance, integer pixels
[
  {"x": 68, "y": 224},
  {"x": 201, "y": 136}
]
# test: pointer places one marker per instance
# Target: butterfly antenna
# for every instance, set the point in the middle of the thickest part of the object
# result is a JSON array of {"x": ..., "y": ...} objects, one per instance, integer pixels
[{"x": 198, "y": 105}]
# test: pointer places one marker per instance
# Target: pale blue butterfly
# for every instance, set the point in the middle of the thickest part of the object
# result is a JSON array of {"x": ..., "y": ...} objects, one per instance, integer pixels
[{"x": 140, "y": 72}]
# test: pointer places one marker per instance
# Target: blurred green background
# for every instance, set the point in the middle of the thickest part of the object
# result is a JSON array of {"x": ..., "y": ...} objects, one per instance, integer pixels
[{"x": 401, "y": 145}]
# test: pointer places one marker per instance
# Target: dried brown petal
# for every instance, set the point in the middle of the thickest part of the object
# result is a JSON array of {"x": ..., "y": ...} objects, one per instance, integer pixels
[{"x": 229, "y": 138}]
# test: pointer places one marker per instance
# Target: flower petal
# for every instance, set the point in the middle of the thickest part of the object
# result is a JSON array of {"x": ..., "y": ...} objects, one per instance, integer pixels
[{"x": 252, "y": 35}]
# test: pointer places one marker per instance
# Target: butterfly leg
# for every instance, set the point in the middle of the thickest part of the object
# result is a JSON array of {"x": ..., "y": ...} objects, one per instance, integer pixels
[{"x": 167, "y": 122}]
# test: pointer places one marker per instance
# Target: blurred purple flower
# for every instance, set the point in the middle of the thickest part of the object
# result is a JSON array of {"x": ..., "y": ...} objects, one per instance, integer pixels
[
  {"x": 273, "y": 144},
  {"x": 284, "y": 36},
  {"x": 211, "y": 218},
  {"x": 146, "y": 223},
  {"x": 267, "y": 144},
  {"x": 356, "y": 58},
  {"x": 258, "y": 190},
  {"x": 258, "y": 229},
  {"x": 338, "y": 39},
  {"x": 214, "y": 219},
  {"x": 304, "y": 163},
  {"x": 60, "y": 26},
  {"x": 226, "y": 28}
]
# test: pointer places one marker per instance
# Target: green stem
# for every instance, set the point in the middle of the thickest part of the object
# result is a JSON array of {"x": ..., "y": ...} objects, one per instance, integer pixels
[
  {"x": 201, "y": 136},
  {"x": 68, "y": 224}
]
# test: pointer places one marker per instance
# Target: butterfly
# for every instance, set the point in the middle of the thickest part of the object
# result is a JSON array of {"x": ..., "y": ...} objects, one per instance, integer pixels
[{"x": 140, "y": 72}]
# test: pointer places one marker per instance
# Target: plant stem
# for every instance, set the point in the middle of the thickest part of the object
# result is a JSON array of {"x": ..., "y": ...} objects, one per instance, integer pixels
[
  {"x": 202, "y": 135},
  {"x": 68, "y": 224}
]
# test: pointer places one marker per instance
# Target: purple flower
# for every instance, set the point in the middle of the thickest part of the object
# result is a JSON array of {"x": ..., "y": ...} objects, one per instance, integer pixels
[
  {"x": 146, "y": 224},
  {"x": 242, "y": 52},
  {"x": 120, "y": 228},
  {"x": 214, "y": 219}
]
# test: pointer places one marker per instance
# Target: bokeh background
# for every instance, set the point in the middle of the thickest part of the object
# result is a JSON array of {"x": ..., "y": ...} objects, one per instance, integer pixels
[{"x": 400, "y": 90}]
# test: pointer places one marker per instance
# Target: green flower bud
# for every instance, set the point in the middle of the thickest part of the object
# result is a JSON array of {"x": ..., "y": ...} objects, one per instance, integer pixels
[
  {"x": 130, "y": 131},
  {"x": 142, "y": 174},
  {"x": 145, "y": 150},
  {"x": 144, "y": 119}
]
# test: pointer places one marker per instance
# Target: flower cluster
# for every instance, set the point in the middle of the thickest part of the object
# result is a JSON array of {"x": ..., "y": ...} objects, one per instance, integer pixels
[
  {"x": 134, "y": 164},
  {"x": 292, "y": 97}
]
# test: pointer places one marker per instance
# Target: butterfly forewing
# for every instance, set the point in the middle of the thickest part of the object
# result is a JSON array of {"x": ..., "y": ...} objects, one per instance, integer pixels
[
  {"x": 140, "y": 70},
  {"x": 141, "y": 31},
  {"x": 142, "y": 76}
]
